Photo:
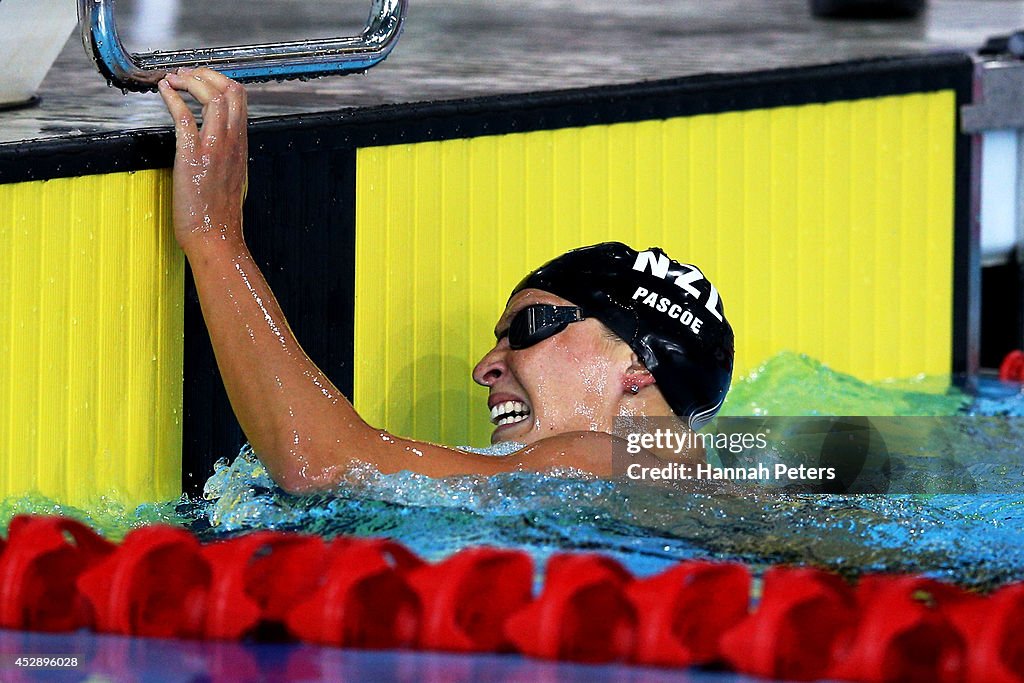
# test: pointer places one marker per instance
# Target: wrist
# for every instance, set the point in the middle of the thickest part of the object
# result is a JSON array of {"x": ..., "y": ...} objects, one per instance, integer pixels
[{"x": 213, "y": 243}]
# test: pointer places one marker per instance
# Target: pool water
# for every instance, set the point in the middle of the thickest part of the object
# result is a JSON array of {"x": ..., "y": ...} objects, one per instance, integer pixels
[
  {"x": 106, "y": 658},
  {"x": 972, "y": 533}
]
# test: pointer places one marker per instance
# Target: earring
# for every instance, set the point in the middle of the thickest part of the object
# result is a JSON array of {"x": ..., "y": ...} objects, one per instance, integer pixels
[{"x": 634, "y": 389}]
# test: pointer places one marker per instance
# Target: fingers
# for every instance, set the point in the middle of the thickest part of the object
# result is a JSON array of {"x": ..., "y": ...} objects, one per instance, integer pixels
[
  {"x": 238, "y": 107},
  {"x": 206, "y": 92},
  {"x": 223, "y": 100},
  {"x": 232, "y": 93},
  {"x": 196, "y": 82},
  {"x": 185, "y": 127},
  {"x": 214, "y": 78}
]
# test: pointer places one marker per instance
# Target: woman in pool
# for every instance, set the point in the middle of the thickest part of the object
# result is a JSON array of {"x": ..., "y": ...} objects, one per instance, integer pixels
[{"x": 558, "y": 376}]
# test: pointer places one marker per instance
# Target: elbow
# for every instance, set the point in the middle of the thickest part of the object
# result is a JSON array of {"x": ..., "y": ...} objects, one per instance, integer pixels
[
  {"x": 300, "y": 473},
  {"x": 301, "y": 483},
  {"x": 297, "y": 484}
]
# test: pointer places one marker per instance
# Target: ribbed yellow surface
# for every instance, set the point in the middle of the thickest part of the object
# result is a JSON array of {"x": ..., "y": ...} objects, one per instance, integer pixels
[
  {"x": 827, "y": 228},
  {"x": 90, "y": 339}
]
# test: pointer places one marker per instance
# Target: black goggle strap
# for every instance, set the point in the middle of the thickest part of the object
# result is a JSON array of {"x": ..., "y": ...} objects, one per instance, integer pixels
[{"x": 536, "y": 323}]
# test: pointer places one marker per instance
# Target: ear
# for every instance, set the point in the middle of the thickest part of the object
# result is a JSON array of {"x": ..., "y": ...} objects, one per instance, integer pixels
[{"x": 636, "y": 377}]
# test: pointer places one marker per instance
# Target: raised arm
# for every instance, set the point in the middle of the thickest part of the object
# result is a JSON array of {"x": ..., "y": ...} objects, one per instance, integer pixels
[{"x": 303, "y": 429}]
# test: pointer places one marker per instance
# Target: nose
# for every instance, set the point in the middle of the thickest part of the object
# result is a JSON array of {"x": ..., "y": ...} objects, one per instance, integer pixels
[{"x": 491, "y": 367}]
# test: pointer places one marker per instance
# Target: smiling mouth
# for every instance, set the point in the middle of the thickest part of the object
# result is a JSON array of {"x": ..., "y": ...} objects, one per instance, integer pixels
[{"x": 509, "y": 412}]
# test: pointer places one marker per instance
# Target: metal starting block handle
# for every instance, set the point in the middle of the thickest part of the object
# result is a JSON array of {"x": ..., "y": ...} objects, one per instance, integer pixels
[{"x": 245, "y": 63}]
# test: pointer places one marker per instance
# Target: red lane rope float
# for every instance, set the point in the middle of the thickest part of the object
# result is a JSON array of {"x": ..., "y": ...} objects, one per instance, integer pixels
[
  {"x": 904, "y": 633},
  {"x": 364, "y": 599},
  {"x": 154, "y": 584},
  {"x": 1012, "y": 367},
  {"x": 582, "y": 614},
  {"x": 57, "y": 574},
  {"x": 39, "y": 566},
  {"x": 803, "y": 616},
  {"x": 684, "y": 611},
  {"x": 468, "y": 598},
  {"x": 996, "y": 654},
  {"x": 257, "y": 579}
]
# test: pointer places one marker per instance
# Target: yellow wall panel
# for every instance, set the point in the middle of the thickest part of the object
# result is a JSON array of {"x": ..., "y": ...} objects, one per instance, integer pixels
[
  {"x": 90, "y": 345},
  {"x": 828, "y": 228}
]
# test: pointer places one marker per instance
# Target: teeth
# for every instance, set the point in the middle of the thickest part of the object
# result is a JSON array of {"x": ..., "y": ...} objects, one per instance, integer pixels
[{"x": 509, "y": 412}]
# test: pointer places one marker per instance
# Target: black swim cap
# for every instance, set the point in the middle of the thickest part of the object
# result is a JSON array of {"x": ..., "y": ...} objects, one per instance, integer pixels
[{"x": 667, "y": 312}]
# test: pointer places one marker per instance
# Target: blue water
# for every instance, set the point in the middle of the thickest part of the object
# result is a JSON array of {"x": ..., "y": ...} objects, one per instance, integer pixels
[{"x": 972, "y": 532}]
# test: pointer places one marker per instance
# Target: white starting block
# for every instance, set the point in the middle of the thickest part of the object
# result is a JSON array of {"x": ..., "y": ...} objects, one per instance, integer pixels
[{"x": 32, "y": 33}]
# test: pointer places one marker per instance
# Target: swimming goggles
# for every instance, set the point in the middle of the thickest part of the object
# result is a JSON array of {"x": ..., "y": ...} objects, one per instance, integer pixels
[{"x": 536, "y": 323}]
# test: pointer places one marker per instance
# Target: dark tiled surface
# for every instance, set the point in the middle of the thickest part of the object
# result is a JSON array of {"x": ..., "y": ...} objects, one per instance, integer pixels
[{"x": 462, "y": 48}]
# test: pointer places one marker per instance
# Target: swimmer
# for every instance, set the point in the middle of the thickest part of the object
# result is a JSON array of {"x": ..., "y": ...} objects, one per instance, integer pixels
[{"x": 594, "y": 334}]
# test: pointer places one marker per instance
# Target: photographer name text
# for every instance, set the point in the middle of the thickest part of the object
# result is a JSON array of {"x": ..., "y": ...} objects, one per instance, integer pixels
[{"x": 690, "y": 471}]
